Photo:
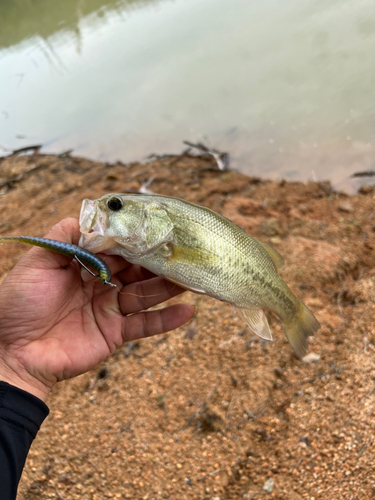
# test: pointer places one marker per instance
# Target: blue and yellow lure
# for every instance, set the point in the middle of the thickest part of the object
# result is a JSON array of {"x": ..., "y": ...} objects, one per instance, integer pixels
[{"x": 84, "y": 257}]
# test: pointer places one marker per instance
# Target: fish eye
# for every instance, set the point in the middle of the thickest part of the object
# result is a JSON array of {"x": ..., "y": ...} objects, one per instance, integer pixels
[{"x": 114, "y": 203}]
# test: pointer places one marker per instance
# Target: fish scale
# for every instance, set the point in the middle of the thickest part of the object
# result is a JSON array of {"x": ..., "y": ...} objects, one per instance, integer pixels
[{"x": 202, "y": 251}]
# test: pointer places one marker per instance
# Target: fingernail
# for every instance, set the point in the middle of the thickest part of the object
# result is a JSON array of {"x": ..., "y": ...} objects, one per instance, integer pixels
[{"x": 86, "y": 277}]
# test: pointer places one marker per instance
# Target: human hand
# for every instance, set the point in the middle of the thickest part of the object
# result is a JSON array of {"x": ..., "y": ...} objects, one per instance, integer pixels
[{"x": 55, "y": 326}]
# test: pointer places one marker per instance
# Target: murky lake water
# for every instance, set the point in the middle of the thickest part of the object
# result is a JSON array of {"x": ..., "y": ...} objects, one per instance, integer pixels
[{"x": 286, "y": 87}]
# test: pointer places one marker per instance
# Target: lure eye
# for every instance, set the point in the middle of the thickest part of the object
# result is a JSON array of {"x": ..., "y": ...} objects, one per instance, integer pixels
[{"x": 114, "y": 203}]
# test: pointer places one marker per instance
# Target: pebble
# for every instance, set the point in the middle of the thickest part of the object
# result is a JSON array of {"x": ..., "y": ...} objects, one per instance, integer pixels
[
  {"x": 275, "y": 240},
  {"x": 271, "y": 227},
  {"x": 312, "y": 357},
  {"x": 366, "y": 189},
  {"x": 346, "y": 206},
  {"x": 268, "y": 486}
]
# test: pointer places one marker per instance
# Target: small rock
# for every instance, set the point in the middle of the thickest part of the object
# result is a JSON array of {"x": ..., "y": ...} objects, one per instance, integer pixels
[
  {"x": 271, "y": 227},
  {"x": 191, "y": 331},
  {"x": 209, "y": 420},
  {"x": 304, "y": 440},
  {"x": 104, "y": 372},
  {"x": 275, "y": 240},
  {"x": 312, "y": 357},
  {"x": 130, "y": 347},
  {"x": 346, "y": 206},
  {"x": 268, "y": 486},
  {"x": 366, "y": 189},
  {"x": 313, "y": 302}
]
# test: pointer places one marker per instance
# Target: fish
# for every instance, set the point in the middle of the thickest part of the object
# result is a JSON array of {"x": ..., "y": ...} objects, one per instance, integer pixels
[
  {"x": 82, "y": 255},
  {"x": 199, "y": 250}
]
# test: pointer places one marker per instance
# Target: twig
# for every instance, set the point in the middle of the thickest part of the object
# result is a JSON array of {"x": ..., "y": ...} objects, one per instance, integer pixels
[
  {"x": 234, "y": 378},
  {"x": 222, "y": 159},
  {"x": 66, "y": 153},
  {"x": 257, "y": 493},
  {"x": 250, "y": 416},
  {"x": 153, "y": 156},
  {"x": 339, "y": 305},
  {"x": 345, "y": 426},
  {"x": 369, "y": 394},
  {"x": 190, "y": 419},
  {"x": 8, "y": 182},
  {"x": 298, "y": 464},
  {"x": 208, "y": 475},
  {"x": 242, "y": 332},
  {"x": 201, "y": 407},
  {"x": 87, "y": 472},
  {"x": 361, "y": 451},
  {"x": 364, "y": 173},
  {"x": 136, "y": 174},
  {"x": 340, "y": 482},
  {"x": 80, "y": 455},
  {"x": 144, "y": 186},
  {"x": 35, "y": 148},
  {"x": 212, "y": 392},
  {"x": 124, "y": 426},
  {"x": 160, "y": 398},
  {"x": 228, "y": 410},
  {"x": 361, "y": 274}
]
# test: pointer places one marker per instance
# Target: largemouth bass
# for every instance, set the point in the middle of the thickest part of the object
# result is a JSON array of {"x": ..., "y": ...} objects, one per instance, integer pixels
[{"x": 201, "y": 251}]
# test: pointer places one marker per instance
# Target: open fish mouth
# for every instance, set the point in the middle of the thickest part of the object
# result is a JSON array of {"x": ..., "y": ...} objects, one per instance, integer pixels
[{"x": 92, "y": 224}]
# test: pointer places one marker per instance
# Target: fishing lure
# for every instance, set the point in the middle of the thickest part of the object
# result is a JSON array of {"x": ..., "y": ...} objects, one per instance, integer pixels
[{"x": 80, "y": 254}]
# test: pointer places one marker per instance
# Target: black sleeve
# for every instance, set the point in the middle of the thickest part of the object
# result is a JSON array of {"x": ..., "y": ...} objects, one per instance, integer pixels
[{"x": 21, "y": 415}]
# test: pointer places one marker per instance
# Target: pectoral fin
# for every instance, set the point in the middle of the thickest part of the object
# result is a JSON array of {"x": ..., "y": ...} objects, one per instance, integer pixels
[
  {"x": 173, "y": 253},
  {"x": 257, "y": 321},
  {"x": 192, "y": 256}
]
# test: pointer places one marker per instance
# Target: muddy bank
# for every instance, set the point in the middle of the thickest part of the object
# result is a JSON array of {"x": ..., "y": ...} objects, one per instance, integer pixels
[{"x": 209, "y": 411}]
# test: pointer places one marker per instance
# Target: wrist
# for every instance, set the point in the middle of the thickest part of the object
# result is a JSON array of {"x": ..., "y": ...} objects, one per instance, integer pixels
[{"x": 23, "y": 380}]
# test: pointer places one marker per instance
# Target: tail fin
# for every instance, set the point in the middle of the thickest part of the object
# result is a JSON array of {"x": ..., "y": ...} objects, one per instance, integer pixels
[{"x": 301, "y": 326}]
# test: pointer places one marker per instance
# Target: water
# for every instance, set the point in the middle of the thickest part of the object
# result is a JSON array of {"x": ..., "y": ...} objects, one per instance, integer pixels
[{"x": 286, "y": 87}]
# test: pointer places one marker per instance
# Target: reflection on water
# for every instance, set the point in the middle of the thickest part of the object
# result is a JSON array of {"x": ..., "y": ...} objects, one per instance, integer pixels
[
  {"x": 22, "y": 20},
  {"x": 285, "y": 87}
]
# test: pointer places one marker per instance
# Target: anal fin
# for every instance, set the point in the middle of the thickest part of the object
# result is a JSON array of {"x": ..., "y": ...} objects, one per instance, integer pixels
[{"x": 257, "y": 321}]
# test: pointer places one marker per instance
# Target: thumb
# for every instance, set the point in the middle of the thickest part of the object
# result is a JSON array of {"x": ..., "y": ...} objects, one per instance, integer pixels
[{"x": 67, "y": 231}]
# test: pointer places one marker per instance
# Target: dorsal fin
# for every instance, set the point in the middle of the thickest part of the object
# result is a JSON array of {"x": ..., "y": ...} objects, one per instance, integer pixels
[{"x": 274, "y": 254}]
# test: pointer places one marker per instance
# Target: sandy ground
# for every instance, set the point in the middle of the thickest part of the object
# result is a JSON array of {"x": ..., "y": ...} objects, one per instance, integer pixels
[{"x": 209, "y": 411}]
